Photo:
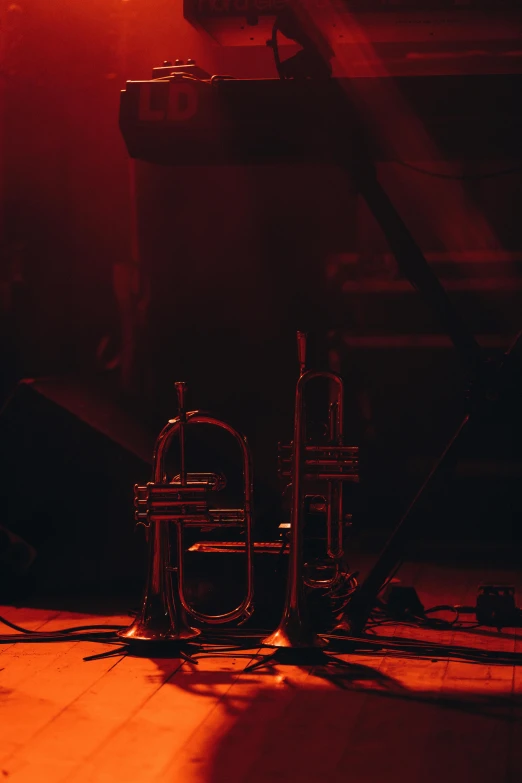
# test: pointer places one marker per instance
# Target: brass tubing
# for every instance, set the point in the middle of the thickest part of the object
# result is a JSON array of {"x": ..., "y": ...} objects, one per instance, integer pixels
[
  {"x": 164, "y": 612},
  {"x": 295, "y": 628}
]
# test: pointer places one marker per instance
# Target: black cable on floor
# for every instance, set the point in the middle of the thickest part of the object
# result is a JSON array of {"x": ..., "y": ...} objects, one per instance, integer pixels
[{"x": 73, "y": 629}]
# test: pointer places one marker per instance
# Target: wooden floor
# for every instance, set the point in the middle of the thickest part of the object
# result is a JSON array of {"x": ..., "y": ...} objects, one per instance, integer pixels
[{"x": 385, "y": 719}]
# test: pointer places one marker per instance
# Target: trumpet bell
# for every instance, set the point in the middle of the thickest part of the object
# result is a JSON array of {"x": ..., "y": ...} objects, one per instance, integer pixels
[{"x": 294, "y": 631}]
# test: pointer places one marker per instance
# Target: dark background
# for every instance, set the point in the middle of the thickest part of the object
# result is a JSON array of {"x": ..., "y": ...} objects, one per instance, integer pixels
[{"x": 235, "y": 259}]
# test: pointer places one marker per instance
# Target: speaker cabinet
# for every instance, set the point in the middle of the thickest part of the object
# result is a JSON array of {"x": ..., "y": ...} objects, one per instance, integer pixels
[{"x": 70, "y": 460}]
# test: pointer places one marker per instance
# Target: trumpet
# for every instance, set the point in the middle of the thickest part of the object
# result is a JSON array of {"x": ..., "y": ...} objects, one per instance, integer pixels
[
  {"x": 324, "y": 468},
  {"x": 183, "y": 501}
]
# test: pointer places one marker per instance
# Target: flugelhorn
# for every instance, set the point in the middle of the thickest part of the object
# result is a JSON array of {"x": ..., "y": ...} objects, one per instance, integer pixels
[
  {"x": 308, "y": 465},
  {"x": 173, "y": 504}
]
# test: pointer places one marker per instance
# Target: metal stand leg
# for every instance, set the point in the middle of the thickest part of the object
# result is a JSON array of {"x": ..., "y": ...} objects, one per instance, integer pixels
[
  {"x": 293, "y": 656},
  {"x": 167, "y": 649}
]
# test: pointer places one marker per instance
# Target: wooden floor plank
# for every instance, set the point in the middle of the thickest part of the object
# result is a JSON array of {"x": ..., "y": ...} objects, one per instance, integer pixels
[
  {"x": 26, "y": 659},
  {"x": 293, "y": 725},
  {"x": 169, "y": 721},
  {"x": 26, "y": 617},
  {"x": 39, "y": 686},
  {"x": 466, "y": 738},
  {"x": 244, "y": 719},
  {"x": 32, "y": 619},
  {"x": 388, "y": 738},
  {"x": 482, "y": 690},
  {"x": 386, "y": 717},
  {"x": 514, "y": 729},
  {"x": 68, "y": 739},
  {"x": 302, "y": 740}
]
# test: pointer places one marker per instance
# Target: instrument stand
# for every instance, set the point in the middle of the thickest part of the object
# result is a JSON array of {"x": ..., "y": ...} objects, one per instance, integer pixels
[
  {"x": 490, "y": 382},
  {"x": 297, "y": 656},
  {"x": 168, "y": 649},
  {"x": 149, "y": 649}
]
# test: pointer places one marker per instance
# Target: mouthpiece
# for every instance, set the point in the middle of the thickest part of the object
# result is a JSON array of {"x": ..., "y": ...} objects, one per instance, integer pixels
[
  {"x": 181, "y": 388},
  {"x": 301, "y": 350}
]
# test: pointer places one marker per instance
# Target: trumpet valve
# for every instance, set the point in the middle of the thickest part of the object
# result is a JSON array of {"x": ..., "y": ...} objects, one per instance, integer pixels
[{"x": 323, "y": 463}]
